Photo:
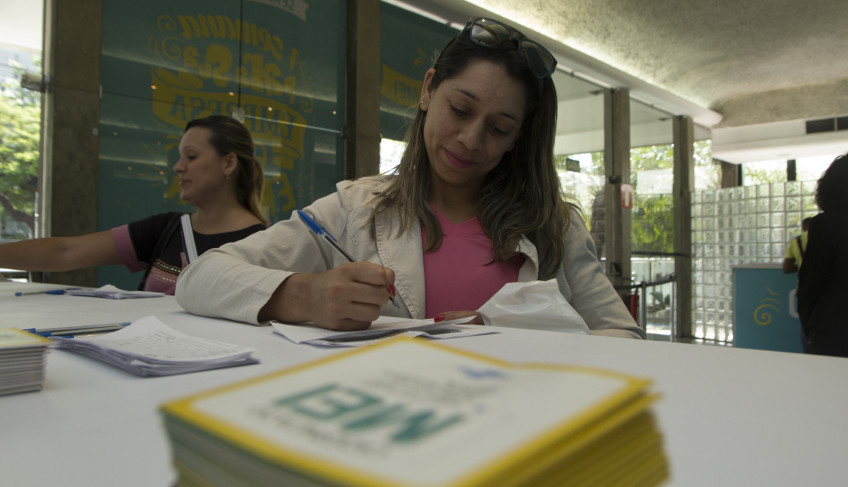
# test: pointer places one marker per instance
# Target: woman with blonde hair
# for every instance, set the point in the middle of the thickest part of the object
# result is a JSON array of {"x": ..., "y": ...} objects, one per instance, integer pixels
[{"x": 218, "y": 174}]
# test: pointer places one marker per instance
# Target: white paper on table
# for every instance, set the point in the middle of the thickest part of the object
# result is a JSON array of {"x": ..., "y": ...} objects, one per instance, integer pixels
[
  {"x": 382, "y": 328},
  {"x": 111, "y": 292}
]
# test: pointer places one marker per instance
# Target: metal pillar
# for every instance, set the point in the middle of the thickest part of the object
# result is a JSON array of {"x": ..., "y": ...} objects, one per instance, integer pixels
[
  {"x": 362, "y": 91},
  {"x": 683, "y": 187},
  {"x": 617, "y": 172}
]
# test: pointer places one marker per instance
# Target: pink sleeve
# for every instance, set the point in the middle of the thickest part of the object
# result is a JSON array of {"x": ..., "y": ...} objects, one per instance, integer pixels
[{"x": 126, "y": 251}]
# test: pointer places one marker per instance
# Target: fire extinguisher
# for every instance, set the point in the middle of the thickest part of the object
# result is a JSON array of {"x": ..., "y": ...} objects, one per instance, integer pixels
[{"x": 634, "y": 306}]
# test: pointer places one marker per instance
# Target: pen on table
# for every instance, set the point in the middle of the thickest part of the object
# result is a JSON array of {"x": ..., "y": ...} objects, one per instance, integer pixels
[
  {"x": 320, "y": 231},
  {"x": 52, "y": 291},
  {"x": 79, "y": 330},
  {"x": 79, "y": 335}
]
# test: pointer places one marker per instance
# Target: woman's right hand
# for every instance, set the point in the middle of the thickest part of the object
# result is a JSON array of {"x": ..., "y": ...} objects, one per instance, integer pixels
[{"x": 348, "y": 297}]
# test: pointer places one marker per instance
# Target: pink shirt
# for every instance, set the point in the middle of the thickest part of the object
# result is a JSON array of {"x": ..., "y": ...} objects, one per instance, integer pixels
[{"x": 458, "y": 275}]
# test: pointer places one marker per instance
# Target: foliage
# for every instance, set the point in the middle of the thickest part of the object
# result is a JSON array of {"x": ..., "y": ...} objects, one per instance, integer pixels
[
  {"x": 20, "y": 124},
  {"x": 755, "y": 174},
  {"x": 652, "y": 215},
  {"x": 652, "y": 224}
]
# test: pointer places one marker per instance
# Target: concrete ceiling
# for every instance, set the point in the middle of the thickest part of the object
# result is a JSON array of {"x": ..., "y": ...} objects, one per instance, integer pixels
[{"x": 750, "y": 72}]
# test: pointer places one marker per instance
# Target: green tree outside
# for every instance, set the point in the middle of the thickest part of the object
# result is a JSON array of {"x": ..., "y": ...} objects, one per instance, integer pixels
[
  {"x": 652, "y": 214},
  {"x": 754, "y": 174},
  {"x": 20, "y": 126}
]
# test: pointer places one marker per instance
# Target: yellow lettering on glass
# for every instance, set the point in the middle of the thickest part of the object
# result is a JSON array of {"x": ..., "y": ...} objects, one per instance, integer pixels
[{"x": 198, "y": 88}]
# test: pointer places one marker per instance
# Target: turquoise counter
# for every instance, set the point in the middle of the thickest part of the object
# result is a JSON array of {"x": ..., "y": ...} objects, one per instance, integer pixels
[{"x": 765, "y": 312}]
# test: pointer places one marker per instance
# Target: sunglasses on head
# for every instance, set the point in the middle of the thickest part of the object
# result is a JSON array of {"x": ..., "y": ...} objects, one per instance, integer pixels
[{"x": 491, "y": 33}]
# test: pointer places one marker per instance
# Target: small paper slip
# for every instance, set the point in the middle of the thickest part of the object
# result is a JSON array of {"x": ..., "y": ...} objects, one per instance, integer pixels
[
  {"x": 111, "y": 292},
  {"x": 22, "y": 361},
  {"x": 148, "y": 347},
  {"x": 382, "y": 328}
]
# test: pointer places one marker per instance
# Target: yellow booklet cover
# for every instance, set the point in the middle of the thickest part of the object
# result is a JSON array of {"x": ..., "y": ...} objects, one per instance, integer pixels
[
  {"x": 409, "y": 412},
  {"x": 16, "y": 338}
]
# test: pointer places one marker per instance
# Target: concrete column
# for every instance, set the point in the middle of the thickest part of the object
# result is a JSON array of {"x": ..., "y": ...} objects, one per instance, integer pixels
[
  {"x": 683, "y": 187},
  {"x": 617, "y": 172},
  {"x": 71, "y": 117},
  {"x": 362, "y": 92}
]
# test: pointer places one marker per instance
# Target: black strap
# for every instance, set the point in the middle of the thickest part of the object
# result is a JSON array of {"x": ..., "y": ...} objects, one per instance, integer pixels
[{"x": 170, "y": 228}]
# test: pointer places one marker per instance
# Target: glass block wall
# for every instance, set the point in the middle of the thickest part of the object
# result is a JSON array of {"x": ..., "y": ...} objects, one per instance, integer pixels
[{"x": 741, "y": 225}]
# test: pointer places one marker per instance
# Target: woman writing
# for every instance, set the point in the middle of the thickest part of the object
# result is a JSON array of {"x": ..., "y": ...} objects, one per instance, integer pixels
[
  {"x": 476, "y": 204},
  {"x": 217, "y": 174}
]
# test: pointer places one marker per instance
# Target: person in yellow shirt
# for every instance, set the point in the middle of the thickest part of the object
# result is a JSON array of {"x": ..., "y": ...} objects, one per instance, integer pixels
[{"x": 795, "y": 249}]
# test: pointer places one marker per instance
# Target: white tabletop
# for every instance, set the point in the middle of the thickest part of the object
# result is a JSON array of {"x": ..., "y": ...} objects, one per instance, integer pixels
[
  {"x": 9, "y": 288},
  {"x": 729, "y": 416}
]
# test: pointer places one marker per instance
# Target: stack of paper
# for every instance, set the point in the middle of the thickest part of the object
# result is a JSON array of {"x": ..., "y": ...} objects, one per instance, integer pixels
[
  {"x": 410, "y": 412},
  {"x": 148, "y": 347},
  {"x": 22, "y": 361}
]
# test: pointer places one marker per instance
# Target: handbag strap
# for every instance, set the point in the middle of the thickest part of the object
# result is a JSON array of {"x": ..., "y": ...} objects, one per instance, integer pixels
[
  {"x": 189, "y": 247},
  {"x": 166, "y": 235}
]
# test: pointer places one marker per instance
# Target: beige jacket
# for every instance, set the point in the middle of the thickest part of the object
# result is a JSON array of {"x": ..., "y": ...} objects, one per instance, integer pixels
[{"x": 235, "y": 280}]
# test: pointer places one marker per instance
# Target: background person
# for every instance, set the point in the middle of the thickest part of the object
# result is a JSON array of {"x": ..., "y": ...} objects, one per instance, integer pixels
[
  {"x": 476, "y": 203},
  {"x": 218, "y": 174},
  {"x": 823, "y": 279},
  {"x": 795, "y": 249}
]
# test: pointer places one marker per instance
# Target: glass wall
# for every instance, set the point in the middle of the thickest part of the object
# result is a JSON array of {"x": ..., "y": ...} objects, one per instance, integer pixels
[
  {"x": 582, "y": 178},
  {"x": 21, "y": 29},
  {"x": 409, "y": 46},
  {"x": 579, "y": 149},
  {"x": 652, "y": 175},
  {"x": 278, "y": 66},
  {"x": 652, "y": 216},
  {"x": 742, "y": 225},
  {"x": 749, "y": 224}
]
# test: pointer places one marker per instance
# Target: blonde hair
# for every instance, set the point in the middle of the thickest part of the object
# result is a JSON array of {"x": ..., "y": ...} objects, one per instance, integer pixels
[{"x": 231, "y": 136}]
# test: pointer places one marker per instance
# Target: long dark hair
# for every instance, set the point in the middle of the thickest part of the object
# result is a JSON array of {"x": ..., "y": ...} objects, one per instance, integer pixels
[
  {"x": 230, "y": 136},
  {"x": 830, "y": 191},
  {"x": 522, "y": 196}
]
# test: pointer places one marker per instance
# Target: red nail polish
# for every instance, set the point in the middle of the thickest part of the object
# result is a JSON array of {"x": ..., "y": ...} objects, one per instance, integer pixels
[
  {"x": 392, "y": 290},
  {"x": 439, "y": 317}
]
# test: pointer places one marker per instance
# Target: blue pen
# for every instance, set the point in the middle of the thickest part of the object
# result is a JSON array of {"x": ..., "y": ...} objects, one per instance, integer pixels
[
  {"x": 320, "y": 231},
  {"x": 52, "y": 291},
  {"x": 79, "y": 330}
]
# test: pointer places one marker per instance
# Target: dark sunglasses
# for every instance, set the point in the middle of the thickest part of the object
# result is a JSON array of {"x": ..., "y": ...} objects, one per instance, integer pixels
[{"x": 491, "y": 33}]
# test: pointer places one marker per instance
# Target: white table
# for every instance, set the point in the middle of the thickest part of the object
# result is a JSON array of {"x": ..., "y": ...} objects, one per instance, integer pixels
[
  {"x": 9, "y": 288},
  {"x": 729, "y": 416}
]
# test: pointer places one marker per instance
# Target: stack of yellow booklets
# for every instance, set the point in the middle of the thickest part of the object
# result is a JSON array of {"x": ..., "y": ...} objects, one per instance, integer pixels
[
  {"x": 22, "y": 361},
  {"x": 409, "y": 412}
]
